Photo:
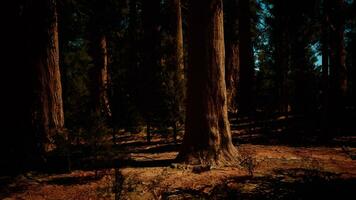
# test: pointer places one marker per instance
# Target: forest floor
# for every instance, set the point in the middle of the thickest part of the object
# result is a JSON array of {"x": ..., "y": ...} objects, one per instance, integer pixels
[{"x": 267, "y": 171}]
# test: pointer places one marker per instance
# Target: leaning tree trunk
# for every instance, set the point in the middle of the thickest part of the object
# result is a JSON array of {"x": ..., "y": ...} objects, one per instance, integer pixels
[
  {"x": 207, "y": 138},
  {"x": 43, "y": 58}
]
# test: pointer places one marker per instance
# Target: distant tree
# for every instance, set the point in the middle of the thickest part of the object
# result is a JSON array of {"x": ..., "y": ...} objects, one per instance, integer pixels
[
  {"x": 207, "y": 138},
  {"x": 334, "y": 65},
  {"x": 176, "y": 82},
  {"x": 246, "y": 84},
  {"x": 99, "y": 25},
  {"x": 280, "y": 39},
  {"x": 150, "y": 90}
]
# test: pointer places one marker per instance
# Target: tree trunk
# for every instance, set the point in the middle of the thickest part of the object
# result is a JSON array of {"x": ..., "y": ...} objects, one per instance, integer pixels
[
  {"x": 232, "y": 54},
  {"x": 232, "y": 74},
  {"x": 179, "y": 59},
  {"x": 100, "y": 76},
  {"x": 245, "y": 93},
  {"x": 337, "y": 55},
  {"x": 338, "y": 72},
  {"x": 178, "y": 63},
  {"x": 43, "y": 57},
  {"x": 207, "y": 138},
  {"x": 149, "y": 88},
  {"x": 325, "y": 67},
  {"x": 281, "y": 53}
]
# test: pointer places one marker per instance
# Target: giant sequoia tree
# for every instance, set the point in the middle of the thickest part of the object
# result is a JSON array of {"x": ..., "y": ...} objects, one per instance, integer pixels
[
  {"x": 207, "y": 138},
  {"x": 43, "y": 59}
]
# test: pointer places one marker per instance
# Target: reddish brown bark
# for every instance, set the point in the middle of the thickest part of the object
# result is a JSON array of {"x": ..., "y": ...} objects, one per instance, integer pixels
[
  {"x": 207, "y": 138},
  {"x": 43, "y": 58}
]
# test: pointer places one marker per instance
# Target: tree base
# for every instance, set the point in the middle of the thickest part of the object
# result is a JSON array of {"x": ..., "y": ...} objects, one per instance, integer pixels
[{"x": 217, "y": 158}]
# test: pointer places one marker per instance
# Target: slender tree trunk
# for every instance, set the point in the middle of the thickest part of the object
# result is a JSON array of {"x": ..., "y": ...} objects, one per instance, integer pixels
[
  {"x": 100, "y": 76},
  {"x": 338, "y": 72},
  {"x": 43, "y": 57},
  {"x": 353, "y": 58},
  {"x": 151, "y": 60},
  {"x": 300, "y": 64},
  {"x": 325, "y": 67},
  {"x": 246, "y": 84},
  {"x": 207, "y": 138},
  {"x": 281, "y": 53},
  {"x": 179, "y": 39},
  {"x": 178, "y": 56}
]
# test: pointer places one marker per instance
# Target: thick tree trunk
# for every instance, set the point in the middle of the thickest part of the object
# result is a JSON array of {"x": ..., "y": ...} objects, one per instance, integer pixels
[
  {"x": 43, "y": 55},
  {"x": 207, "y": 138},
  {"x": 245, "y": 93}
]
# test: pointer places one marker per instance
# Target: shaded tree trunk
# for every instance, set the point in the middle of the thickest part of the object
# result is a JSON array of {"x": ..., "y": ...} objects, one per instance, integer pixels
[
  {"x": 179, "y": 58},
  {"x": 245, "y": 93},
  {"x": 232, "y": 72},
  {"x": 178, "y": 63},
  {"x": 207, "y": 138},
  {"x": 281, "y": 53},
  {"x": 325, "y": 66},
  {"x": 338, "y": 72},
  {"x": 232, "y": 59},
  {"x": 149, "y": 92},
  {"x": 43, "y": 58},
  {"x": 100, "y": 76}
]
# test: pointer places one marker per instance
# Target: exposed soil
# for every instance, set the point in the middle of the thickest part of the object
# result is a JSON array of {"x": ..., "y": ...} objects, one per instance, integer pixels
[{"x": 265, "y": 172}]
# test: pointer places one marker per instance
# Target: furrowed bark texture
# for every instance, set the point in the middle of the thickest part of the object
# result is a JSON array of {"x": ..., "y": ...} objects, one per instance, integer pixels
[{"x": 207, "y": 138}]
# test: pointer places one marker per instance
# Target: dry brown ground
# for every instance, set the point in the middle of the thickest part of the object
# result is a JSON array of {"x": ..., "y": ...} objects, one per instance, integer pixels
[{"x": 278, "y": 172}]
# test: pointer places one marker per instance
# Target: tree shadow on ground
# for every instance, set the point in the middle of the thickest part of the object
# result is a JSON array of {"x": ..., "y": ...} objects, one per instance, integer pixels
[
  {"x": 67, "y": 181},
  {"x": 283, "y": 184}
]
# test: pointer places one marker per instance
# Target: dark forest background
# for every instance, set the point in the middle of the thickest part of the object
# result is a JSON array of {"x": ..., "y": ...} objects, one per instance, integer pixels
[{"x": 289, "y": 68}]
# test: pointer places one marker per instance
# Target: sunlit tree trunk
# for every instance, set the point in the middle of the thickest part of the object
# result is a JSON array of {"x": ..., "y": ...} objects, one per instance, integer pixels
[{"x": 207, "y": 138}]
